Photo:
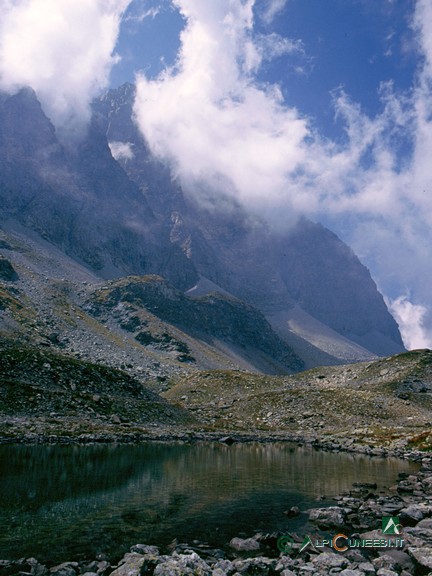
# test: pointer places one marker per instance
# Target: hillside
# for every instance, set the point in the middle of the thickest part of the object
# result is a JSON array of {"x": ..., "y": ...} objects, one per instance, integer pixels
[
  {"x": 373, "y": 402},
  {"x": 141, "y": 324},
  {"x": 369, "y": 407},
  {"x": 38, "y": 383}
]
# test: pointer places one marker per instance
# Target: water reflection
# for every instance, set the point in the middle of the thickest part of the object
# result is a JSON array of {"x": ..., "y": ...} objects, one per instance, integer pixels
[{"x": 61, "y": 503}]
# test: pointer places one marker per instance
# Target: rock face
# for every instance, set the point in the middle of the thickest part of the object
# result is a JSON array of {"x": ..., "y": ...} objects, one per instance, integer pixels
[
  {"x": 128, "y": 216},
  {"x": 80, "y": 199}
]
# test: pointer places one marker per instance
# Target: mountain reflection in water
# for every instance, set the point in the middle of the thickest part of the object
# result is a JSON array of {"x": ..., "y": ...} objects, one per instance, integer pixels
[{"x": 72, "y": 502}]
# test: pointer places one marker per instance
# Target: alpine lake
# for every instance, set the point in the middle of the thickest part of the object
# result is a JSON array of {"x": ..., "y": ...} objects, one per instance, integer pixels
[{"x": 62, "y": 503}]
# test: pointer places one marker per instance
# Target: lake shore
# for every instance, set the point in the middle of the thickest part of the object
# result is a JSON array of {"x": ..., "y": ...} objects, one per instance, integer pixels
[{"x": 63, "y": 430}]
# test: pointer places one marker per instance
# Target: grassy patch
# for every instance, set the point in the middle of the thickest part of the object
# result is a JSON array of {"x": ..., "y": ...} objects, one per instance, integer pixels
[{"x": 422, "y": 441}]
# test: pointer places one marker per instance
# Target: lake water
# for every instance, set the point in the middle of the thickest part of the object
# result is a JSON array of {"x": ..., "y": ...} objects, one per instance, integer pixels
[{"x": 74, "y": 502}]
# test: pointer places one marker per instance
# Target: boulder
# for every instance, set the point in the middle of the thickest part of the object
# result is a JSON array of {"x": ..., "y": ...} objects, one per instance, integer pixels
[
  {"x": 130, "y": 565},
  {"x": 244, "y": 545},
  {"x": 334, "y": 516},
  {"x": 422, "y": 556},
  {"x": 329, "y": 560},
  {"x": 65, "y": 569},
  {"x": 182, "y": 565}
]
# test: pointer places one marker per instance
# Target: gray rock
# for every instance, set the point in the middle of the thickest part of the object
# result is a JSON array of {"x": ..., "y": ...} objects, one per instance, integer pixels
[
  {"x": 426, "y": 524},
  {"x": 145, "y": 549},
  {"x": 329, "y": 560},
  {"x": 350, "y": 572},
  {"x": 396, "y": 560},
  {"x": 224, "y": 566},
  {"x": 366, "y": 568},
  {"x": 412, "y": 514},
  {"x": 334, "y": 516},
  {"x": 260, "y": 565},
  {"x": 423, "y": 534},
  {"x": 244, "y": 545},
  {"x": 65, "y": 569},
  {"x": 182, "y": 565},
  {"x": 371, "y": 535},
  {"x": 285, "y": 562},
  {"x": 422, "y": 556},
  {"x": 292, "y": 512},
  {"x": 427, "y": 485},
  {"x": 130, "y": 565},
  {"x": 36, "y": 568}
]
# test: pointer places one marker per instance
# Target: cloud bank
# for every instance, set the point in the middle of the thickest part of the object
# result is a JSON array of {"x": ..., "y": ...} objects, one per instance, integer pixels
[
  {"x": 213, "y": 120},
  {"x": 63, "y": 49}
]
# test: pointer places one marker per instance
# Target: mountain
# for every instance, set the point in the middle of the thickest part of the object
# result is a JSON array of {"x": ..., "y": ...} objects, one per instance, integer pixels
[
  {"x": 108, "y": 218},
  {"x": 293, "y": 276}
]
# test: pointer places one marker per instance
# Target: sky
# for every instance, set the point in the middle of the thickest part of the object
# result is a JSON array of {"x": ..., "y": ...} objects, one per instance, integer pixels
[{"x": 314, "y": 107}]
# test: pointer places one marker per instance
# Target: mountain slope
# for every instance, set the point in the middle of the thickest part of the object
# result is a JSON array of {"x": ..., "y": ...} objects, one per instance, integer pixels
[
  {"x": 224, "y": 322},
  {"x": 40, "y": 383},
  {"x": 370, "y": 402},
  {"x": 129, "y": 217},
  {"x": 141, "y": 324}
]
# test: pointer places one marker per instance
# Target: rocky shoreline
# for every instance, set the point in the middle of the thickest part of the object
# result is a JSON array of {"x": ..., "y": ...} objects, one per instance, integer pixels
[
  {"x": 60, "y": 431},
  {"x": 348, "y": 540}
]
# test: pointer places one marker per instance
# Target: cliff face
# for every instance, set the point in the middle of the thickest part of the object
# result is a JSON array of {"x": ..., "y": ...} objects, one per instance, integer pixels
[
  {"x": 128, "y": 216},
  {"x": 80, "y": 198},
  {"x": 328, "y": 281}
]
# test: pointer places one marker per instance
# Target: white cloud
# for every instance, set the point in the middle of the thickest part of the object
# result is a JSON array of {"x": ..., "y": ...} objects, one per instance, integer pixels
[
  {"x": 411, "y": 320},
  {"x": 63, "y": 49},
  {"x": 121, "y": 150},
  {"x": 210, "y": 117},
  {"x": 273, "y": 45},
  {"x": 215, "y": 123},
  {"x": 271, "y": 9},
  {"x": 143, "y": 14}
]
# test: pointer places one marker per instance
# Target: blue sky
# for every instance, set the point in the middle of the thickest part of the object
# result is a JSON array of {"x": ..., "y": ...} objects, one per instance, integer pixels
[
  {"x": 349, "y": 44},
  {"x": 314, "y": 107}
]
